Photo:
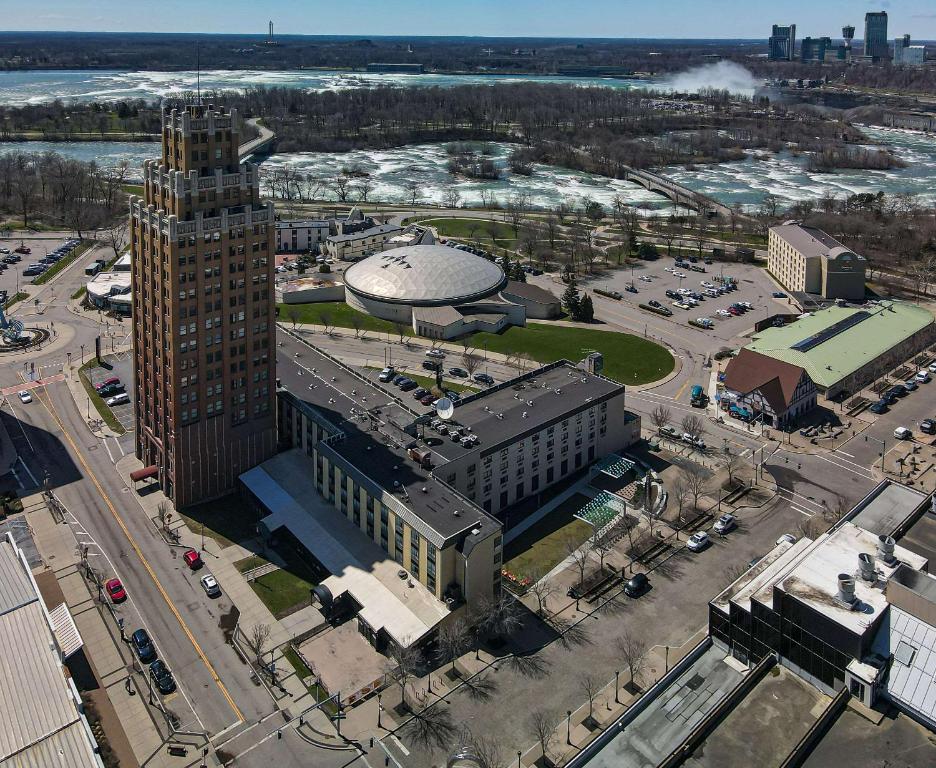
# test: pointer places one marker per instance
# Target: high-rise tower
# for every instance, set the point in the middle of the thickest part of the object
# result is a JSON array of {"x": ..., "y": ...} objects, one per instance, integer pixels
[
  {"x": 203, "y": 311},
  {"x": 875, "y": 37}
]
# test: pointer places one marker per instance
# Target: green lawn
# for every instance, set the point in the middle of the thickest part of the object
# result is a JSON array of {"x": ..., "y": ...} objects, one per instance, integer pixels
[
  {"x": 282, "y": 592},
  {"x": 546, "y": 544},
  {"x": 249, "y": 563},
  {"x": 227, "y": 520},
  {"x": 99, "y": 405},
  {"x": 15, "y": 299},
  {"x": 339, "y": 315},
  {"x": 627, "y": 359},
  {"x": 469, "y": 229}
]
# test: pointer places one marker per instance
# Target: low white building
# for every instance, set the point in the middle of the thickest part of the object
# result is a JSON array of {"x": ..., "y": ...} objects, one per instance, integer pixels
[
  {"x": 110, "y": 291},
  {"x": 353, "y": 246},
  {"x": 301, "y": 236}
]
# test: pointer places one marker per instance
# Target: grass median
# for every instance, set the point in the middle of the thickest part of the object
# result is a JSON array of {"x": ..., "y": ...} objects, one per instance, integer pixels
[
  {"x": 336, "y": 314},
  {"x": 16, "y": 298},
  {"x": 100, "y": 406},
  {"x": 52, "y": 271}
]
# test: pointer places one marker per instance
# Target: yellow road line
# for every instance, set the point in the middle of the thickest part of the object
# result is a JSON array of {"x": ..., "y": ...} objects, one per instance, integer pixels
[
  {"x": 50, "y": 407},
  {"x": 681, "y": 390}
]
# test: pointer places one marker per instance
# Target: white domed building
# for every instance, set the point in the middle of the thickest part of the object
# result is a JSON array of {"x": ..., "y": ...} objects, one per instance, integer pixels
[{"x": 441, "y": 292}]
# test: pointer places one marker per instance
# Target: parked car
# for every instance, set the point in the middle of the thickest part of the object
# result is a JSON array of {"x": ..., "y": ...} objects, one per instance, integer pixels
[
  {"x": 24, "y": 396},
  {"x": 923, "y": 377},
  {"x": 879, "y": 407},
  {"x": 23, "y": 249},
  {"x": 670, "y": 432},
  {"x": 427, "y": 399},
  {"x": 431, "y": 365},
  {"x": 928, "y": 427},
  {"x": 483, "y": 378},
  {"x": 932, "y": 368},
  {"x": 646, "y": 278},
  {"x": 192, "y": 559},
  {"x": 143, "y": 646},
  {"x": 725, "y": 523},
  {"x": 437, "y": 353},
  {"x": 779, "y": 295},
  {"x": 163, "y": 678},
  {"x": 910, "y": 385},
  {"x": 386, "y": 374},
  {"x": 408, "y": 385},
  {"x": 115, "y": 591},
  {"x": 122, "y": 399},
  {"x": 670, "y": 294},
  {"x": 902, "y": 433},
  {"x": 698, "y": 541},
  {"x": 681, "y": 305},
  {"x": 420, "y": 393},
  {"x": 636, "y": 585},
  {"x": 695, "y": 442},
  {"x": 210, "y": 585},
  {"x": 106, "y": 383}
]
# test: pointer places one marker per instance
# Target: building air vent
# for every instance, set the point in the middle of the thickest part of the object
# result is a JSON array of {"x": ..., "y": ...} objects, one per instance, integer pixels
[
  {"x": 846, "y": 590},
  {"x": 866, "y": 567},
  {"x": 886, "y": 549}
]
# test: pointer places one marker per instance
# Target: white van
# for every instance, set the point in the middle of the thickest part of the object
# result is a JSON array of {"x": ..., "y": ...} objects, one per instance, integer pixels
[{"x": 902, "y": 433}]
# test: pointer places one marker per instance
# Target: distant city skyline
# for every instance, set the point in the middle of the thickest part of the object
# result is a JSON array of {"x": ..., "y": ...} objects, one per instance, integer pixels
[{"x": 484, "y": 18}]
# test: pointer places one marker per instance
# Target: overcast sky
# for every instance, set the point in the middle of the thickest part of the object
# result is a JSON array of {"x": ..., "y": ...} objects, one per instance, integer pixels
[{"x": 547, "y": 18}]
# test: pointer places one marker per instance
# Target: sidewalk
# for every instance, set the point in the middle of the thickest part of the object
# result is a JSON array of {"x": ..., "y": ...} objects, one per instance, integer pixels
[
  {"x": 127, "y": 720},
  {"x": 292, "y": 696}
]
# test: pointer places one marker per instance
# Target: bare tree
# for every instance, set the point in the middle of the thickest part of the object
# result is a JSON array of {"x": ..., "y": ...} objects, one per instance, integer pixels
[
  {"x": 412, "y": 188},
  {"x": 259, "y": 635},
  {"x": 542, "y": 588},
  {"x": 116, "y": 233},
  {"x": 732, "y": 462},
  {"x": 325, "y": 319},
  {"x": 660, "y": 416},
  {"x": 485, "y": 748},
  {"x": 451, "y": 197},
  {"x": 340, "y": 185},
  {"x": 693, "y": 426},
  {"x": 453, "y": 641},
  {"x": 541, "y": 726},
  {"x": 580, "y": 555},
  {"x": 357, "y": 323},
  {"x": 695, "y": 478},
  {"x": 590, "y": 685},
  {"x": 471, "y": 361},
  {"x": 498, "y": 616},
  {"x": 633, "y": 650},
  {"x": 293, "y": 313},
  {"x": 680, "y": 492},
  {"x": 403, "y": 664},
  {"x": 364, "y": 187},
  {"x": 400, "y": 330}
]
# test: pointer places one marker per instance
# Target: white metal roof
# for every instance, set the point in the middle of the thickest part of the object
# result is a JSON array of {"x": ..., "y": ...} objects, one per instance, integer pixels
[
  {"x": 912, "y": 677},
  {"x": 16, "y": 588},
  {"x": 63, "y": 625},
  {"x": 424, "y": 274}
]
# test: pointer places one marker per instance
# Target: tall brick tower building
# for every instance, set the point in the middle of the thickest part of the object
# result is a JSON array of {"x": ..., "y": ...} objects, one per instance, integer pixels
[{"x": 203, "y": 313}]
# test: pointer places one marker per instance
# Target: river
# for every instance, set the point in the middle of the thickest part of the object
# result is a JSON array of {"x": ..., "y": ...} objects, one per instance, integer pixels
[
  {"x": 39, "y": 87},
  {"x": 744, "y": 182}
]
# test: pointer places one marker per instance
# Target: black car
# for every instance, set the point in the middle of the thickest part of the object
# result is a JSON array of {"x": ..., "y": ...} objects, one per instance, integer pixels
[
  {"x": 636, "y": 585},
  {"x": 654, "y": 303},
  {"x": 143, "y": 646},
  {"x": 461, "y": 373},
  {"x": 163, "y": 678},
  {"x": 407, "y": 385},
  {"x": 898, "y": 390},
  {"x": 431, "y": 365},
  {"x": 483, "y": 378},
  {"x": 110, "y": 390},
  {"x": 399, "y": 380},
  {"x": 453, "y": 396},
  {"x": 420, "y": 393},
  {"x": 673, "y": 295},
  {"x": 928, "y": 427},
  {"x": 879, "y": 407}
]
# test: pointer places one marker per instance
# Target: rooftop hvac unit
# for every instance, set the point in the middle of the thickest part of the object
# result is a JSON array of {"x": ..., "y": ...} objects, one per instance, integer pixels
[
  {"x": 886, "y": 549},
  {"x": 846, "y": 589},
  {"x": 866, "y": 566}
]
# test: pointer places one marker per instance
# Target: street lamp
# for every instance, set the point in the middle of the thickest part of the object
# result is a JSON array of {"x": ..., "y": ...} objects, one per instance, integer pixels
[
  {"x": 569, "y": 727},
  {"x": 519, "y": 755},
  {"x": 883, "y": 448},
  {"x": 617, "y": 674}
]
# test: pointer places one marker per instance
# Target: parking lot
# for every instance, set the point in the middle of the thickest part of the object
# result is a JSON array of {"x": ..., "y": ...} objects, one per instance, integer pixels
[
  {"x": 121, "y": 369},
  {"x": 652, "y": 279},
  {"x": 11, "y": 272}
]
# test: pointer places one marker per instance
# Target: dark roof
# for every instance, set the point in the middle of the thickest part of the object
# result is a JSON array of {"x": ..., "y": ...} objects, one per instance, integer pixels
[
  {"x": 380, "y": 455},
  {"x": 503, "y": 414},
  {"x": 531, "y": 292},
  {"x": 774, "y": 379},
  {"x": 362, "y": 234}
]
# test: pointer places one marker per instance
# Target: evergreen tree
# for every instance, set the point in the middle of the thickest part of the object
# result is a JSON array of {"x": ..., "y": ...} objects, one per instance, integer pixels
[
  {"x": 507, "y": 266},
  {"x": 518, "y": 274},
  {"x": 586, "y": 310},
  {"x": 570, "y": 299}
]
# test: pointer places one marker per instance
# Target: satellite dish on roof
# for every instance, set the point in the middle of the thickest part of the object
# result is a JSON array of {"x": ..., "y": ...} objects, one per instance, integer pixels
[{"x": 445, "y": 408}]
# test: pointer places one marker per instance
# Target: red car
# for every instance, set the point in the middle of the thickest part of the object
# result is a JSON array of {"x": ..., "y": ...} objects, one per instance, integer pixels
[
  {"x": 115, "y": 591},
  {"x": 192, "y": 559},
  {"x": 23, "y": 249}
]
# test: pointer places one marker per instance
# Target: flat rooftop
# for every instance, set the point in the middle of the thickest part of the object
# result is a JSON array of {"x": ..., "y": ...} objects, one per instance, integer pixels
[
  {"x": 853, "y": 740},
  {"x": 813, "y": 579},
  {"x": 402, "y": 607},
  {"x": 380, "y": 454},
  {"x": 525, "y": 405},
  {"x": 887, "y": 506},
  {"x": 862, "y": 336}
]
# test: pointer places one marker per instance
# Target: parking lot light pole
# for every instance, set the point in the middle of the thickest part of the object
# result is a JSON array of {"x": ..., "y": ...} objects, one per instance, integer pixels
[
  {"x": 883, "y": 448},
  {"x": 569, "y": 727},
  {"x": 617, "y": 675},
  {"x": 519, "y": 755}
]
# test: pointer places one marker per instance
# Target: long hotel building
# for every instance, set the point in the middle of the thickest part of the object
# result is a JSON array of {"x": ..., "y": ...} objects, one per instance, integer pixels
[{"x": 203, "y": 312}]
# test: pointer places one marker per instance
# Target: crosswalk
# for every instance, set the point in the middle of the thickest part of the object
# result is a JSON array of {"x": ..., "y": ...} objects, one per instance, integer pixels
[{"x": 28, "y": 385}]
